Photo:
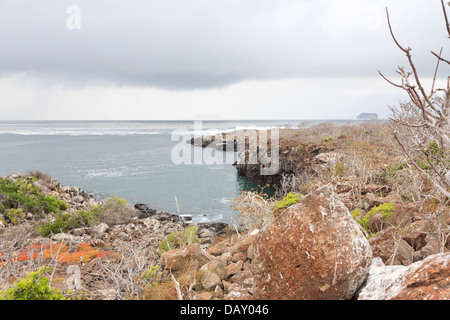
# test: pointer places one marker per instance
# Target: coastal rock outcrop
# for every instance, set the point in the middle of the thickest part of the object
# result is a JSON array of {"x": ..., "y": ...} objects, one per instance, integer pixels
[
  {"x": 428, "y": 279},
  {"x": 313, "y": 250}
]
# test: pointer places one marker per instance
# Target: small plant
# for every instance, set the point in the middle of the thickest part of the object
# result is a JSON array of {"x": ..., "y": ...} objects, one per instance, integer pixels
[
  {"x": 390, "y": 172},
  {"x": 327, "y": 139},
  {"x": 387, "y": 210},
  {"x": 288, "y": 200},
  {"x": 15, "y": 216},
  {"x": 339, "y": 169},
  {"x": 177, "y": 240},
  {"x": 153, "y": 274},
  {"x": 34, "y": 287},
  {"x": 356, "y": 213}
]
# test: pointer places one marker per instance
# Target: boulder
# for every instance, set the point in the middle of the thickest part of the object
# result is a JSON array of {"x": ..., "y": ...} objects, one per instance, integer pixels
[
  {"x": 242, "y": 246},
  {"x": 239, "y": 293},
  {"x": 143, "y": 211},
  {"x": 241, "y": 276},
  {"x": 219, "y": 248},
  {"x": 391, "y": 248},
  {"x": 415, "y": 239},
  {"x": 428, "y": 279},
  {"x": 217, "y": 265},
  {"x": 218, "y": 292},
  {"x": 205, "y": 236},
  {"x": 100, "y": 229},
  {"x": 431, "y": 245},
  {"x": 210, "y": 280},
  {"x": 178, "y": 259},
  {"x": 313, "y": 250},
  {"x": 239, "y": 256},
  {"x": 232, "y": 269}
]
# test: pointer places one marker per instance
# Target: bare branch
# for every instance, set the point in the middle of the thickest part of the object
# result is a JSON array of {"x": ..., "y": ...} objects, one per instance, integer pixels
[
  {"x": 435, "y": 72},
  {"x": 392, "y": 83},
  {"x": 446, "y": 18},
  {"x": 392, "y": 34},
  {"x": 439, "y": 57}
]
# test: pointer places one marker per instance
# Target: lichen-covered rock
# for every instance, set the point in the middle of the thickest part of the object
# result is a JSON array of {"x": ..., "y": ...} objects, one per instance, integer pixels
[
  {"x": 428, "y": 279},
  {"x": 313, "y": 250}
]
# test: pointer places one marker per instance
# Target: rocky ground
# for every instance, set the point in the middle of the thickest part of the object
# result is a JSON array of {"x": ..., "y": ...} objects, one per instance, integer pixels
[{"x": 314, "y": 249}]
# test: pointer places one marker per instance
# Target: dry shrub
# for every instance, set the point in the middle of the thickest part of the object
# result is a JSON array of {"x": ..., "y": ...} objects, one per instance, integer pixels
[
  {"x": 162, "y": 291},
  {"x": 39, "y": 176},
  {"x": 252, "y": 210},
  {"x": 115, "y": 211}
]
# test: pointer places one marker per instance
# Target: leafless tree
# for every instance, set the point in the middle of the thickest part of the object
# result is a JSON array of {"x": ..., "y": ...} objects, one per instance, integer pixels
[
  {"x": 123, "y": 271},
  {"x": 421, "y": 127}
]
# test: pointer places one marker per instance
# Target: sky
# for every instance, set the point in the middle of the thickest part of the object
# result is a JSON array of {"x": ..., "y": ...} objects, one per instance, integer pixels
[{"x": 232, "y": 59}]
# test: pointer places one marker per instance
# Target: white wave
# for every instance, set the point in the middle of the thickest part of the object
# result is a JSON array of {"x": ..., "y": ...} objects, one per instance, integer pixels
[
  {"x": 225, "y": 201},
  {"x": 82, "y": 133}
]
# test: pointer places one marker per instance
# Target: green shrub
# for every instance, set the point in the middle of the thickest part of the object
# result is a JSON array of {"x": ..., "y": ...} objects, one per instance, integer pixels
[
  {"x": 88, "y": 217},
  {"x": 177, "y": 240},
  {"x": 390, "y": 172},
  {"x": 288, "y": 200},
  {"x": 387, "y": 210},
  {"x": 327, "y": 139},
  {"x": 15, "y": 216},
  {"x": 355, "y": 213},
  {"x": 153, "y": 274},
  {"x": 34, "y": 287},
  {"x": 63, "y": 223},
  {"x": 113, "y": 211},
  {"x": 30, "y": 197},
  {"x": 53, "y": 205},
  {"x": 339, "y": 169}
]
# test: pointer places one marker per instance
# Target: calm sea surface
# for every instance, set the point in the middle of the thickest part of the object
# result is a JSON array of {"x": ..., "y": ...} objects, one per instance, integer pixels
[{"x": 130, "y": 159}]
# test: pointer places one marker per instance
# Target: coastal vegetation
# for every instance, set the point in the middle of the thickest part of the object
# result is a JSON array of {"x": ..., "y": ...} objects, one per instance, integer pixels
[
  {"x": 359, "y": 211},
  {"x": 112, "y": 211},
  {"x": 137, "y": 253},
  {"x": 23, "y": 194}
]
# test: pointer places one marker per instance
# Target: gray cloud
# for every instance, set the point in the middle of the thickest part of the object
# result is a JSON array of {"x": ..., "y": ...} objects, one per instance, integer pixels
[{"x": 200, "y": 44}]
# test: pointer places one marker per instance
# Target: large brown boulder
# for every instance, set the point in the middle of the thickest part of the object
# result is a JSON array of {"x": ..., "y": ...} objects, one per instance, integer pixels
[
  {"x": 313, "y": 250},
  {"x": 428, "y": 279}
]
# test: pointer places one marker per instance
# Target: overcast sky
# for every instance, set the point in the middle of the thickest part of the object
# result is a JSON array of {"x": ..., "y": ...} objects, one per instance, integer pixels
[{"x": 238, "y": 59}]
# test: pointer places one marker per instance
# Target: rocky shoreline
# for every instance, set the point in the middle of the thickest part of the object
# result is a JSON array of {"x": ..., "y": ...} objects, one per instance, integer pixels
[{"x": 340, "y": 239}]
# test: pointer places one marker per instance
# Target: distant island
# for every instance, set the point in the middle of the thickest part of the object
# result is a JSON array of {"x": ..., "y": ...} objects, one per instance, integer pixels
[{"x": 368, "y": 116}]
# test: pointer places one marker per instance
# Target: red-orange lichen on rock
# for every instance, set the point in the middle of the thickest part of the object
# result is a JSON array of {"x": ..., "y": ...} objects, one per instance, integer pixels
[{"x": 59, "y": 251}]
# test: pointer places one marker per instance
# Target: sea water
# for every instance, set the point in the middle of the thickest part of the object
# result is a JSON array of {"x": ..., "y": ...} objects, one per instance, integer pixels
[{"x": 128, "y": 159}]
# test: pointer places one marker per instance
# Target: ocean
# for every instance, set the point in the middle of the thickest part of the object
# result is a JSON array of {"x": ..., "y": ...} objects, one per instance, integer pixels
[{"x": 129, "y": 159}]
